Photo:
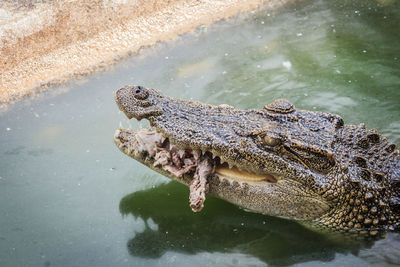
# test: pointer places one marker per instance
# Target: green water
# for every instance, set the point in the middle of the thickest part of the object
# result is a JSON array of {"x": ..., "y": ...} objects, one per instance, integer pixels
[{"x": 69, "y": 197}]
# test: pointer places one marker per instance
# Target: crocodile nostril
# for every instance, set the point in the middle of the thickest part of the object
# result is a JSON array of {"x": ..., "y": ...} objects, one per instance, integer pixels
[{"x": 140, "y": 92}]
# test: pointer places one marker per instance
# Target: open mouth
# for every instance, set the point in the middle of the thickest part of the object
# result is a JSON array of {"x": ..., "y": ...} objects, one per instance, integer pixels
[{"x": 200, "y": 165}]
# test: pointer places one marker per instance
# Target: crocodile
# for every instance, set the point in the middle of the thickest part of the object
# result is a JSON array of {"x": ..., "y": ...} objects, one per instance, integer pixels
[{"x": 277, "y": 160}]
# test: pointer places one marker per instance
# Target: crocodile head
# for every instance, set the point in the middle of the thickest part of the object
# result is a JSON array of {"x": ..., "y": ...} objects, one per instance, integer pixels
[{"x": 277, "y": 160}]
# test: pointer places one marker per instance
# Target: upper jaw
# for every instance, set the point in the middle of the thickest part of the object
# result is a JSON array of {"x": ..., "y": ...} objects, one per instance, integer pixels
[{"x": 269, "y": 163}]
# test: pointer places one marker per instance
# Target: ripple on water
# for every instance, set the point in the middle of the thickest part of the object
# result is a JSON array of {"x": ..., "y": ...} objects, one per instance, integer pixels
[
  {"x": 393, "y": 131},
  {"x": 331, "y": 101}
]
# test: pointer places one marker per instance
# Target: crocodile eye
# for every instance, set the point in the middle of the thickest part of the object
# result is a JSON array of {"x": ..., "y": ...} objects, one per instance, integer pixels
[
  {"x": 271, "y": 141},
  {"x": 140, "y": 92}
]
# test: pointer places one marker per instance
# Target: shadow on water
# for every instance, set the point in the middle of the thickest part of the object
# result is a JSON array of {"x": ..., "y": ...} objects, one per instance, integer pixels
[{"x": 170, "y": 225}]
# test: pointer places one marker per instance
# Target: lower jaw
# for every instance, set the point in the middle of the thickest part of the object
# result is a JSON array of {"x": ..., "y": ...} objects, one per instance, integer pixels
[
  {"x": 259, "y": 193},
  {"x": 202, "y": 172}
]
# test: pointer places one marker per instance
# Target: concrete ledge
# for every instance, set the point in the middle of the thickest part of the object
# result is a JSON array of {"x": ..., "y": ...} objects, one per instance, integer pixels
[{"x": 43, "y": 44}]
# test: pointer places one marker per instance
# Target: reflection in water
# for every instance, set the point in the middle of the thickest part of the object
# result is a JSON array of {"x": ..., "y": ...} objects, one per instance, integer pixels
[{"x": 219, "y": 227}]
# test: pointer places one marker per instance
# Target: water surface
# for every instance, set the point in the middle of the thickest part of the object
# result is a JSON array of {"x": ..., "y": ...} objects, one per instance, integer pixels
[{"x": 69, "y": 197}]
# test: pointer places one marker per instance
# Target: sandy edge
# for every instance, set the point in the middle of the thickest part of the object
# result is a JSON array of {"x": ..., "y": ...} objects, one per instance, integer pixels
[{"x": 38, "y": 72}]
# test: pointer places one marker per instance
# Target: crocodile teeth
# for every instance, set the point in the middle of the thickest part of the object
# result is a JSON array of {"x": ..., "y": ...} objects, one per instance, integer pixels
[
  {"x": 122, "y": 145},
  {"x": 196, "y": 154},
  {"x": 230, "y": 165}
]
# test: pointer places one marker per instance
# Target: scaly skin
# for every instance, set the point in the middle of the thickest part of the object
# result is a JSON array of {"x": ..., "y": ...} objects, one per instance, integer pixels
[{"x": 340, "y": 177}]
